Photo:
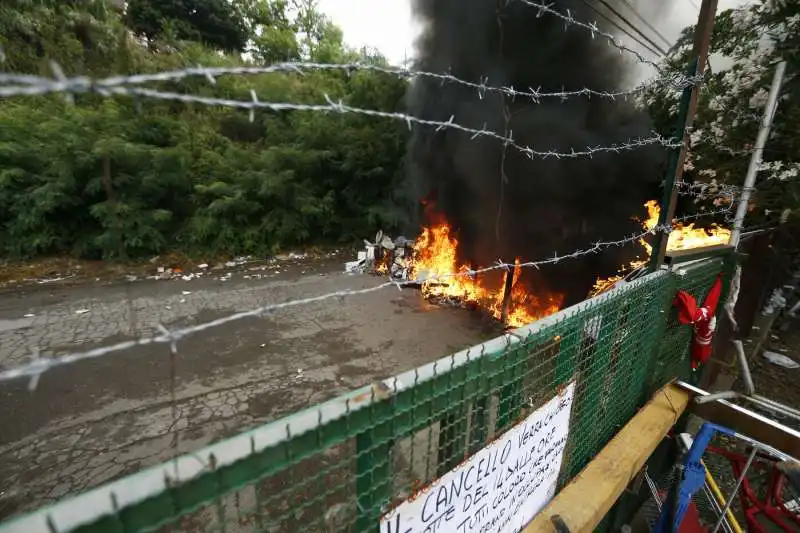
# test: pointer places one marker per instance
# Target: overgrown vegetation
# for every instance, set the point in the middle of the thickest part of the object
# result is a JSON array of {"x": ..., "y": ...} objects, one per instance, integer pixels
[{"x": 119, "y": 178}]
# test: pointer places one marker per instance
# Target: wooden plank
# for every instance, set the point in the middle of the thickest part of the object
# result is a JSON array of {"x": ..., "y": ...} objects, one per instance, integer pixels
[{"x": 586, "y": 500}]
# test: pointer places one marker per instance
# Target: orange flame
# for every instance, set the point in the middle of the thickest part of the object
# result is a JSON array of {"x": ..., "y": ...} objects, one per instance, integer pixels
[
  {"x": 686, "y": 237},
  {"x": 681, "y": 238},
  {"x": 435, "y": 257}
]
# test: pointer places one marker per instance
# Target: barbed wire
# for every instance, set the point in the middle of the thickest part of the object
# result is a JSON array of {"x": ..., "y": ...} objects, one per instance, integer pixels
[
  {"x": 339, "y": 107},
  {"x": 39, "y": 364},
  {"x": 28, "y": 85},
  {"x": 591, "y": 27},
  {"x": 711, "y": 190}
]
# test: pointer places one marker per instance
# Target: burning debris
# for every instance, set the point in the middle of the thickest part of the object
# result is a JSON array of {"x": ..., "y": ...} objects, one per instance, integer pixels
[
  {"x": 432, "y": 261},
  {"x": 385, "y": 256}
]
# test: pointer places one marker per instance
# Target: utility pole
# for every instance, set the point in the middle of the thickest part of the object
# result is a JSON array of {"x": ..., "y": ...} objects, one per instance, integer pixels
[
  {"x": 688, "y": 109},
  {"x": 755, "y": 159}
]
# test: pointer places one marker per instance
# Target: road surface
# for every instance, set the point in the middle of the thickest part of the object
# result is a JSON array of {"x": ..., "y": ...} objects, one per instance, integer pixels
[{"x": 94, "y": 421}]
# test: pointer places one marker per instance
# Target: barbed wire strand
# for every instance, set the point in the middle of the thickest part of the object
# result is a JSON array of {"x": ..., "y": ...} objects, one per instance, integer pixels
[
  {"x": 28, "y": 85},
  {"x": 591, "y": 27},
  {"x": 711, "y": 190},
  {"x": 36, "y": 85},
  {"x": 40, "y": 364},
  {"x": 340, "y": 107}
]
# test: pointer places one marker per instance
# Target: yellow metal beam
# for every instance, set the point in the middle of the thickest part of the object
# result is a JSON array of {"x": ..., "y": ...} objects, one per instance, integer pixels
[{"x": 584, "y": 502}]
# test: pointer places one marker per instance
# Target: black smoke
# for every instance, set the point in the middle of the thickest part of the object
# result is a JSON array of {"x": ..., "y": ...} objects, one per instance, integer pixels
[{"x": 507, "y": 206}]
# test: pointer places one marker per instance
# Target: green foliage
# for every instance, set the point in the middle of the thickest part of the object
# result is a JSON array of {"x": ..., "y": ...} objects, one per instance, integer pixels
[{"x": 119, "y": 178}]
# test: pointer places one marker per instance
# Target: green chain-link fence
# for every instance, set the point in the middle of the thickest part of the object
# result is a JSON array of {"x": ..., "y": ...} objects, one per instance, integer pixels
[{"x": 341, "y": 465}]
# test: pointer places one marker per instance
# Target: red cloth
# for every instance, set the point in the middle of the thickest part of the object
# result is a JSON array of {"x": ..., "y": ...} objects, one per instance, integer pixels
[{"x": 702, "y": 318}]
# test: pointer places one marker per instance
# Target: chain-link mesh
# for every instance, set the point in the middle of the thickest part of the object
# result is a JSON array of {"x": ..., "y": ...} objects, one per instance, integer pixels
[
  {"x": 341, "y": 465},
  {"x": 672, "y": 360}
]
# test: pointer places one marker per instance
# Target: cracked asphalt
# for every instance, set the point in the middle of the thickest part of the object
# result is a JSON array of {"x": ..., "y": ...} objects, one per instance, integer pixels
[{"x": 94, "y": 421}]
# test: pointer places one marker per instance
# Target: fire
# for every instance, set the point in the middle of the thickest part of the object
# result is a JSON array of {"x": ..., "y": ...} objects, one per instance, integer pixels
[
  {"x": 685, "y": 237},
  {"x": 435, "y": 258},
  {"x": 681, "y": 238}
]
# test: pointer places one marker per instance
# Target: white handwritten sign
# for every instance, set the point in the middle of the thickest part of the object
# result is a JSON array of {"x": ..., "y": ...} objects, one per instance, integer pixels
[{"x": 501, "y": 488}]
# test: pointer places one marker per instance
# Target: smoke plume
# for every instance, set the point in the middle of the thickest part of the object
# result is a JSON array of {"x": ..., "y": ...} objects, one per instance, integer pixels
[{"x": 503, "y": 204}]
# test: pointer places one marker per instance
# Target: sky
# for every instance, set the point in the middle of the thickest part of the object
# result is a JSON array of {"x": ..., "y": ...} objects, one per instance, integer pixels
[{"x": 388, "y": 25}]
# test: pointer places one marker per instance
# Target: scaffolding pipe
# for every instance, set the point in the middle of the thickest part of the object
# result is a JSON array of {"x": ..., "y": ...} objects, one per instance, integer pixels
[{"x": 755, "y": 160}]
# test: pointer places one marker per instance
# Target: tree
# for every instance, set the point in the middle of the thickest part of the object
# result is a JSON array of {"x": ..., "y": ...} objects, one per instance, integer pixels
[
  {"x": 273, "y": 32},
  {"x": 216, "y": 23}
]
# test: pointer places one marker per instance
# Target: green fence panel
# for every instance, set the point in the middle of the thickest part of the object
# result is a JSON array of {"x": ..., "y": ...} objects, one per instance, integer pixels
[
  {"x": 672, "y": 360},
  {"x": 341, "y": 465}
]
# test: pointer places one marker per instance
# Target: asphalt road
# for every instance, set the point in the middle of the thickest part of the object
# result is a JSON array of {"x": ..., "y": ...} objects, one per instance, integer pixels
[{"x": 94, "y": 421}]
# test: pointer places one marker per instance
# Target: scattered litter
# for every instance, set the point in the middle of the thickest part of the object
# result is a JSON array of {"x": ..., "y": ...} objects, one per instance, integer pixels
[
  {"x": 161, "y": 270},
  {"x": 131, "y": 277},
  {"x": 263, "y": 345},
  {"x": 775, "y": 303},
  {"x": 237, "y": 262},
  {"x": 81, "y": 311},
  {"x": 168, "y": 308},
  {"x": 781, "y": 360},
  {"x": 30, "y": 315},
  {"x": 187, "y": 293},
  {"x": 203, "y": 266},
  {"x": 183, "y": 300},
  {"x": 188, "y": 277},
  {"x": 51, "y": 280},
  {"x": 352, "y": 267}
]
